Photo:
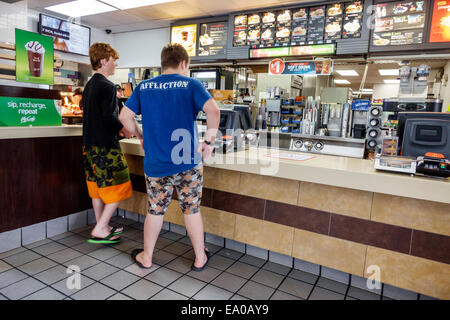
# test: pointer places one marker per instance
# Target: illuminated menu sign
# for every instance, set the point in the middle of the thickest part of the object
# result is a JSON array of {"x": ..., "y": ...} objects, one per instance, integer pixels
[
  {"x": 353, "y": 20},
  {"x": 186, "y": 36},
  {"x": 440, "y": 23},
  {"x": 399, "y": 23},
  {"x": 299, "y": 26},
  {"x": 322, "y": 49},
  {"x": 212, "y": 39}
]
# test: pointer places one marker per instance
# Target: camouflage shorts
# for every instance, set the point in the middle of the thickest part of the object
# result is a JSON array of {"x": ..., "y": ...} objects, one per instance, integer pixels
[{"x": 188, "y": 185}]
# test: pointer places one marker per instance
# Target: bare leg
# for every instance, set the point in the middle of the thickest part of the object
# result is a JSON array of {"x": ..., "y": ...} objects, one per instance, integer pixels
[
  {"x": 152, "y": 228},
  {"x": 194, "y": 227},
  {"x": 102, "y": 228},
  {"x": 99, "y": 207}
]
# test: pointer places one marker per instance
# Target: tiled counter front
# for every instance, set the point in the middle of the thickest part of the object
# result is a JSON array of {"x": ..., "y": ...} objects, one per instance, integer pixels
[{"x": 344, "y": 229}]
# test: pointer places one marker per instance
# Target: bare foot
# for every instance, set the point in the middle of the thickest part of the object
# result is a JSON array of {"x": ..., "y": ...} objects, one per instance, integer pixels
[
  {"x": 118, "y": 229},
  {"x": 103, "y": 233},
  {"x": 204, "y": 259},
  {"x": 145, "y": 261}
]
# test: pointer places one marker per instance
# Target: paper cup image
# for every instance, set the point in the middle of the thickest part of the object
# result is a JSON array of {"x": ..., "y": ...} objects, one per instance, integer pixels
[
  {"x": 35, "y": 53},
  {"x": 319, "y": 66}
]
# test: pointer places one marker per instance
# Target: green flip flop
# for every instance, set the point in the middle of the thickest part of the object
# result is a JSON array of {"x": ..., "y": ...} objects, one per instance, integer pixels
[
  {"x": 105, "y": 240},
  {"x": 114, "y": 232}
]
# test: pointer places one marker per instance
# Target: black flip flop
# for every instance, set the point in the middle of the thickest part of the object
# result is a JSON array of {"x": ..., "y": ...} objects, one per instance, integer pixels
[
  {"x": 134, "y": 253},
  {"x": 194, "y": 268}
]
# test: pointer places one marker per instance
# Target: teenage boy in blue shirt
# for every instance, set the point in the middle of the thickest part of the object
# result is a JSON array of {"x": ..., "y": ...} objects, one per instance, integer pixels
[{"x": 169, "y": 105}]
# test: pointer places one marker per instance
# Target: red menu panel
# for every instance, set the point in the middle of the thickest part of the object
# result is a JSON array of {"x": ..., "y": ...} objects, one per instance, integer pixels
[{"x": 440, "y": 23}]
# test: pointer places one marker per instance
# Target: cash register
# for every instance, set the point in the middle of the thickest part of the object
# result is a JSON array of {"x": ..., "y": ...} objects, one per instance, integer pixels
[{"x": 425, "y": 145}]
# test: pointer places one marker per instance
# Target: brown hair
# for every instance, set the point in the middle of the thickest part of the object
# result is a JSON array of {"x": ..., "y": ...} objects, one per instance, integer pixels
[
  {"x": 99, "y": 51},
  {"x": 172, "y": 55}
]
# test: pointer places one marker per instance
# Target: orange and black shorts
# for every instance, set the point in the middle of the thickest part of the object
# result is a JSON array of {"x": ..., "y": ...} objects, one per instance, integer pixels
[
  {"x": 188, "y": 185},
  {"x": 107, "y": 174}
]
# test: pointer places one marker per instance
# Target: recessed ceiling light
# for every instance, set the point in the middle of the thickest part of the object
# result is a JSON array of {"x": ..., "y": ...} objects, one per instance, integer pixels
[
  {"x": 391, "y": 81},
  {"x": 80, "y": 8},
  {"x": 388, "y": 72},
  {"x": 341, "y": 81},
  {"x": 129, "y": 4},
  {"x": 347, "y": 73}
]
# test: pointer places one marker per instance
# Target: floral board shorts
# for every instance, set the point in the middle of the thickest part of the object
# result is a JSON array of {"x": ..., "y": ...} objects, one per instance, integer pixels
[
  {"x": 188, "y": 185},
  {"x": 107, "y": 174}
]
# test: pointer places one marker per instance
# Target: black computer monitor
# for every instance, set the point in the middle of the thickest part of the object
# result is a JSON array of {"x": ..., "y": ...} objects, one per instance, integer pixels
[{"x": 245, "y": 116}]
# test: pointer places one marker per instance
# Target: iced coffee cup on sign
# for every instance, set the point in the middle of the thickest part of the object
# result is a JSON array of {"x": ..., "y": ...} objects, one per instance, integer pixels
[{"x": 35, "y": 53}]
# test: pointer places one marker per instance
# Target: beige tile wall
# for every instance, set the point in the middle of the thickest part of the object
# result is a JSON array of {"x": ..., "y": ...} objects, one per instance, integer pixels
[
  {"x": 349, "y": 202},
  {"x": 417, "y": 274},
  {"x": 270, "y": 188},
  {"x": 332, "y": 252},
  {"x": 405, "y": 271},
  {"x": 412, "y": 213}
]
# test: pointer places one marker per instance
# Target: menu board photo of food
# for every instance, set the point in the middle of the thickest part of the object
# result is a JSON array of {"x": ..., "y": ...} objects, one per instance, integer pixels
[
  {"x": 254, "y": 19},
  {"x": 283, "y": 36},
  {"x": 316, "y": 25},
  {"x": 187, "y": 37},
  {"x": 253, "y": 35},
  {"x": 284, "y": 17},
  {"x": 440, "y": 23},
  {"x": 240, "y": 20},
  {"x": 353, "y": 20},
  {"x": 268, "y": 17},
  {"x": 300, "y": 14},
  {"x": 240, "y": 31},
  {"x": 267, "y": 37},
  {"x": 212, "y": 39},
  {"x": 397, "y": 38},
  {"x": 399, "y": 23},
  {"x": 333, "y": 25}
]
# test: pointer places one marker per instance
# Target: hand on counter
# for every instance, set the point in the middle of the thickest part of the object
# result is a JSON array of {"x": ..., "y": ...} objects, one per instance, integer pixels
[
  {"x": 205, "y": 150},
  {"x": 125, "y": 133}
]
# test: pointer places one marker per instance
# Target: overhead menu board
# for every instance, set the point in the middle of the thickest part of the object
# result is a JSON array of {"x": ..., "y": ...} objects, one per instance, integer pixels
[
  {"x": 299, "y": 26},
  {"x": 212, "y": 39},
  {"x": 333, "y": 22},
  {"x": 440, "y": 23},
  {"x": 353, "y": 20},
  {"x": 240, "y": 31},
  {"x": 316, "y": 25},
  {"x": 399, "y": 23}
]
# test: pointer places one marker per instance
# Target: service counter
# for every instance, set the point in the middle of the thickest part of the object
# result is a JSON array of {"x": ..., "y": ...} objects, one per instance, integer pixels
[
  {"x": 41, "y": 175},
  {"x": 333, "y": 211}
]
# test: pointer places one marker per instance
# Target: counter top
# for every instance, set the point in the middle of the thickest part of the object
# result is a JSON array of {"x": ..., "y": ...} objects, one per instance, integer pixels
[
  {"x": 40, "y": 132},
  {"x": 329, "y": 170}
]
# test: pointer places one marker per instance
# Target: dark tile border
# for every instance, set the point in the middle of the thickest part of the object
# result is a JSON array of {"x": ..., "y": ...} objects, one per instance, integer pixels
[
  {"x": 371, "y": 233},
  {"x": 431, "y": 246},
  {"x": 380, "y": 235}
]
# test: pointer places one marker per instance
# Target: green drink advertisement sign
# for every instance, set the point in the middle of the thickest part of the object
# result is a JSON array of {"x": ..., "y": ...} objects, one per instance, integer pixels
[
  {"x": 25, "y": 112},
  {"x": 34, "y": 57}
]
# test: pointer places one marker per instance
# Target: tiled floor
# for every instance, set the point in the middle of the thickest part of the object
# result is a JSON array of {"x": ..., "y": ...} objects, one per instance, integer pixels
[{"x": 40, "y": 271}]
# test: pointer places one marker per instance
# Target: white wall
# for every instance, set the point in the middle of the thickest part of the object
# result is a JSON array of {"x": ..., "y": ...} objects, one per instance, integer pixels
[
  {"x": 141, "y": 48},
  {"x": 445, "y": 91},
  {"x": 385, "y": 91}
]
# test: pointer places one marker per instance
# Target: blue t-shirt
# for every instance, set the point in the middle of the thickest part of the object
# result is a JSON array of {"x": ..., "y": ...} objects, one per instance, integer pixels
[{"x": 169, "y": 105}]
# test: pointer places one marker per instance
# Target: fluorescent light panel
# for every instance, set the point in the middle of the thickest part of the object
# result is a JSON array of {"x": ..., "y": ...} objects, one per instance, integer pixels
[
  {"x": 80, "y": 8},
  {"x": 388, "y": 72},
  {"x": 128, "y": 4},
  {"x": 341, "y": 81},
  {"x": 347, "y": 73},
  {"x": 391, "y": 81}
]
